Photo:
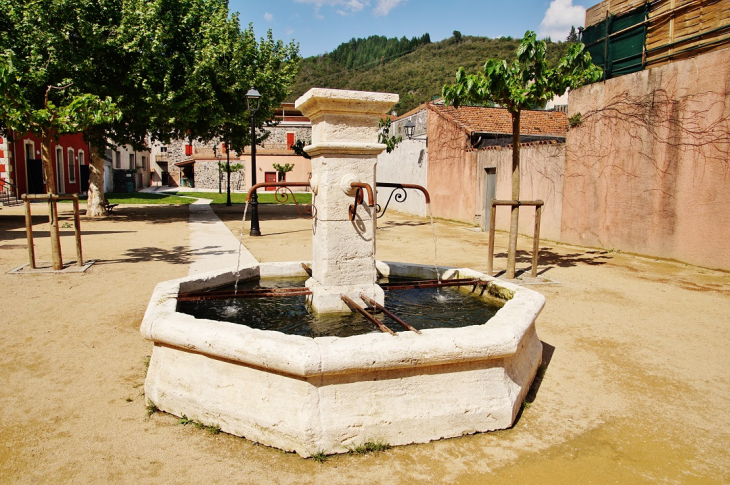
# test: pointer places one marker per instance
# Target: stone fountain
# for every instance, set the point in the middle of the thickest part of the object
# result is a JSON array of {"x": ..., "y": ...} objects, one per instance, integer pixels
[{"x": 328, "y": 394}]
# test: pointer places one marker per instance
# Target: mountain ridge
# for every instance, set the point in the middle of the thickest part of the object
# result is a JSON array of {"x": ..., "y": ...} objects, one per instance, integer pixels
[{"x": 416, "y": 74}]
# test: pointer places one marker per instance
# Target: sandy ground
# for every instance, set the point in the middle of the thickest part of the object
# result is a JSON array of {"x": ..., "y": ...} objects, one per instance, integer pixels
[{"x": 636, "y": 388}]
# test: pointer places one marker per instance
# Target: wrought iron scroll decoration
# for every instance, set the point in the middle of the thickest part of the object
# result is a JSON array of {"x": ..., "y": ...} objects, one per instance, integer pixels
[
  {"x": 306, "y": 211},
  {"x": 400, "y": 195}
]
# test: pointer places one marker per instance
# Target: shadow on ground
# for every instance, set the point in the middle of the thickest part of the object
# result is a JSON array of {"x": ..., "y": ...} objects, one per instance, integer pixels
[{"x": 548, "y": 257}]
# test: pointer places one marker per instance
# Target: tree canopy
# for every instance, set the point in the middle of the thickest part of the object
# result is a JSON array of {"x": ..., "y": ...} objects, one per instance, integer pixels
[
  {"x": 527, "y": 82},
  {"x": 122, "y": 70}
]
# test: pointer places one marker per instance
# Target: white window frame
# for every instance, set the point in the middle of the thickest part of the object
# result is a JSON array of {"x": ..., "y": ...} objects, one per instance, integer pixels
[{"x": 71, "y": 165}]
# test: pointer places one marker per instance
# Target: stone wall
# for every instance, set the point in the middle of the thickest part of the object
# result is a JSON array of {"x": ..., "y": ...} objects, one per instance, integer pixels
[
  {"x": 277, "y": 137},
  {"x": 206, "y": 175}
]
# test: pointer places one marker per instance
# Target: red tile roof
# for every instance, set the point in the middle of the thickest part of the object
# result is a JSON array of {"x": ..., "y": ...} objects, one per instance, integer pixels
[{"x": 473, "y": 119}]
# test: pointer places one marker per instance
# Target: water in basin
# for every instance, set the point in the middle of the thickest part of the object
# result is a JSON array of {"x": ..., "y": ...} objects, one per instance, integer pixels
[{"x": 422, "y": 308}]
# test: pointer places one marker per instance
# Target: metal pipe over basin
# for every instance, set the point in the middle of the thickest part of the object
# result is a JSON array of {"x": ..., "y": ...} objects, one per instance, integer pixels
[
  {"x": 406, "y": 186},
  {"x": 254, "y": 188},
  {"x": 361, "y": 185}
]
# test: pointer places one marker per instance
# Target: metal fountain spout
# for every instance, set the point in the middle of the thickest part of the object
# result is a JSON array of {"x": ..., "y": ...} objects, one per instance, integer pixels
[
  {"x": 399, "y": 194},
  {"x": 282, "y": 194}
]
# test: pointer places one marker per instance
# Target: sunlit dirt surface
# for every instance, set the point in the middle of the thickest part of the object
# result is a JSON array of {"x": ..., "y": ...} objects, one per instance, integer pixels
[{"x": 635, "y": 385}]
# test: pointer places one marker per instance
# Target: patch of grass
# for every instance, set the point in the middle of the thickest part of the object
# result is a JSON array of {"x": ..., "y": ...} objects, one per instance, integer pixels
[
  {"x": 320, "y": 457},
  {"x": 184, "y": 420},
  {"x": 146, "y": 362},
  {"x": 526, "y": 405},
  {"x": 238, "y": 198},
  {"x": 369, "y": 447},
  {"x": 141, "y": 198},
  {"x": 152, "y": 408}
]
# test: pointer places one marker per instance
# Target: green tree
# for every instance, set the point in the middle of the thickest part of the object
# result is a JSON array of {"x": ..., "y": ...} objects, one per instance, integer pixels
[
  {"x": 384, "y": 136},
  {"x": 457, "y": 37},
  {"x": 282, "y": 169},
  {"x": 41, "y": 69},
  {"x": 528, "y": 81},
  {"x": 573, "y": 35}
]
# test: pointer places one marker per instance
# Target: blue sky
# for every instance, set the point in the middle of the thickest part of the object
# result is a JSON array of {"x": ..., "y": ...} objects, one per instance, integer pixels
[{"x": 321, "y": 25}]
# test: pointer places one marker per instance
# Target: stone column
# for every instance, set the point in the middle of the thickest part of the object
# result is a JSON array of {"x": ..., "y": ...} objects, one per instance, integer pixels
[{"x": 344, "y": 149}]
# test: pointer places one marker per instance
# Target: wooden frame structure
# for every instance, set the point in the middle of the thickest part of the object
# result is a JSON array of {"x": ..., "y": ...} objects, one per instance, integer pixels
[
  {"x": 536, "y": 237},
  {"x": 52, "y": 200}
]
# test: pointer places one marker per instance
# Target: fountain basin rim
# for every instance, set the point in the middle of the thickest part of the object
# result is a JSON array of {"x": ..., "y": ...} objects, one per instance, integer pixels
[{"x": 307, "y": 357}]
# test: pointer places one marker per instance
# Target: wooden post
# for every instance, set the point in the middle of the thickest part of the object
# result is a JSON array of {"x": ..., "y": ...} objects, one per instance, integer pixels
[
  {"x": 55, "y": 240},
  {"x": 29, "y": 232},
  {"x": 536, "y": 240},
  {"x": 77, "y": 231},
  {"x": 490, "y": 251}
]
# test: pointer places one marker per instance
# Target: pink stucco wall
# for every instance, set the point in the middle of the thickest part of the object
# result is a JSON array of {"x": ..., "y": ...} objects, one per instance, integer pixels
[
  {"x": 265, "y": 163},
  {"x": 541, "y": 178},
  {"x": 451, "y": 171},
  {"x": 648, "y": 170}
]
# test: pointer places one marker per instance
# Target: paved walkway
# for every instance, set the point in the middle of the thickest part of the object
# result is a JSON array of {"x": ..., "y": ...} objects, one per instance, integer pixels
[{"x": 212, "y": 245}]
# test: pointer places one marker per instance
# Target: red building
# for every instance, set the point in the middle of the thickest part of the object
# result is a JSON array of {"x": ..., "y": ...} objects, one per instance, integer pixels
[{"x": 21, "y": 165}]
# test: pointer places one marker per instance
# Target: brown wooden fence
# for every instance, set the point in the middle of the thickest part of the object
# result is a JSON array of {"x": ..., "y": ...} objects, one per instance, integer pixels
[{"x": 676, "y": 29}]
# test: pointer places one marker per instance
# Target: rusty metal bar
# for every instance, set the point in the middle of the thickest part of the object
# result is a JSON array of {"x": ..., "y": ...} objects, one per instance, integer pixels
[
  {"x": 388, "y": 313},
  {"x": 368, "y": 189},
  {"x": 77, "y": 232},
  {"x": 307, "y": 269},
  {"x": 413, "y": 285},
  {"x": 354, "y": 306},
  {"x": 536, "y": 241},
  {"x": 255, "y": 293},
  {"x": 29, "y": 232},
  {"x": 253, "y": 189}
]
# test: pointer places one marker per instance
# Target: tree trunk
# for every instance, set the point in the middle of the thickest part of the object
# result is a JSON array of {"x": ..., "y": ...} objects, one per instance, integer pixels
[
  {"x": 96, "y": 200},
  {"x": 514, "y": 224},
  {"x": 49, "y": 174}
]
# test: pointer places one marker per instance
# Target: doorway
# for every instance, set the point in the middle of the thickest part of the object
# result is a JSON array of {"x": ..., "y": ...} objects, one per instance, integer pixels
[
  {"x": 34, "y": 171},
  {"x": 270, "y": 177},
  {"x": 490, "y": 174}
]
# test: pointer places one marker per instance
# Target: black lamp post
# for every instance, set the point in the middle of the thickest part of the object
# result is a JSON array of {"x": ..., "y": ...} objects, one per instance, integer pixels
[
  {"x": 252, "y": 101},
  {"x": 228, "y": 174}
]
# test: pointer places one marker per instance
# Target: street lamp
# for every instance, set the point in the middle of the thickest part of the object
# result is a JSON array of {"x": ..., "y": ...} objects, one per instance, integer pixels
[
  {"x": 410, "y": 128},
  {"x": 220, "y": 169},
  {"x": 252, "y": 101}
]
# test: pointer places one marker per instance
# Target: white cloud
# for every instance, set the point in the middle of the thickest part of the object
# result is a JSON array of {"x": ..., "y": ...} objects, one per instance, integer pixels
[
  {"x": 352, "y": 7},
  {"x": 346, "y": 7},
  {"x": 289, "y": 32},
  {"x": 559, "y": 17},
  {"x": 383, "y": 7},
  {"x": 269, "y": 17}
]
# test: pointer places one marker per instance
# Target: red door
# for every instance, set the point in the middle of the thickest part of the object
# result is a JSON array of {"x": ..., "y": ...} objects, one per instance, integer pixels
[
  {"x": 289, "y": 140},
  {"x": 270, "y": 177}
]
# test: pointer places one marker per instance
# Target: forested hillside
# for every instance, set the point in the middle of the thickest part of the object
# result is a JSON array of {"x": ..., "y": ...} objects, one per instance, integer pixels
[{"x": 416, "y": 69}]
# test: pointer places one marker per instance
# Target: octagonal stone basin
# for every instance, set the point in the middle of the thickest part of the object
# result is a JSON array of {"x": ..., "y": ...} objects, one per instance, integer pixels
[{"x": 329, "y": 394}]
